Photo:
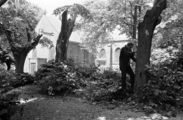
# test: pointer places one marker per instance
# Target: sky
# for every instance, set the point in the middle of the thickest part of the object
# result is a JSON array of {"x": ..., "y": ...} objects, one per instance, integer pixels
[{"x": 50, "y": 5}]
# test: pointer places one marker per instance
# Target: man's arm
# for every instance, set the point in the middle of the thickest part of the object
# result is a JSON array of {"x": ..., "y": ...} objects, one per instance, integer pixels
[
  {"x": 133, "y": 58},
  {"x": 128, "y": 52}
]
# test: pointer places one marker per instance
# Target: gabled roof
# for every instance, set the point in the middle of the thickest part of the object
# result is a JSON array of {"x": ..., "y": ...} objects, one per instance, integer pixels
[{"x": 53, "y": 24}]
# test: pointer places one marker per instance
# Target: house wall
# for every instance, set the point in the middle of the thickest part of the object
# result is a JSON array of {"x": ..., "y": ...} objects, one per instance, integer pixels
[
  {"x": 80, "y": 55},
  {"x": 107, "y": 59},
  {"x": 50, "y": 28}
]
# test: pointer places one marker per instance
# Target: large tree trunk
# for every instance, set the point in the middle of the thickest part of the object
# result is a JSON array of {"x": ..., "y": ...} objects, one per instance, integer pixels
[
  {"x": 63, "y": 39},
  {"x": 2, "y": 2},
  {"x": 134, "y": 36},
  {"x": 20, "y": 52},
  {"x": 19, "y": 61},
  {"x": 145, "y": 34}
]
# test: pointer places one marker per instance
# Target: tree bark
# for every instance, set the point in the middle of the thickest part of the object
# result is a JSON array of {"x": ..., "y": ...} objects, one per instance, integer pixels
[
  {"x": 20, "y": 52},
  {"x": 63, "y": 39},
  {"x": 134, "y": 36},
  {"x": 145, "y": 34},
  {"x": 2, "y": 2},
  {"x": 19, "y": 61}
]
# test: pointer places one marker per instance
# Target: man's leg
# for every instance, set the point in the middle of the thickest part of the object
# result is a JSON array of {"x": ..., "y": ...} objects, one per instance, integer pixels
[
  {"x": 123, "y": 78},
  {"x": 132, "y": 77}
]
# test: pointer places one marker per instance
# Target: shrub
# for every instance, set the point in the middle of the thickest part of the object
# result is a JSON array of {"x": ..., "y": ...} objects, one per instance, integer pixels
[
  {"x": 59, "y": 78},
  {"x": 22, "y": 79},
  {"x": 6, "y": 101},
  {"x": 102, "y": 86},
  {"x": 164, "y": 86},
  {"x": 5, "y": 80}
]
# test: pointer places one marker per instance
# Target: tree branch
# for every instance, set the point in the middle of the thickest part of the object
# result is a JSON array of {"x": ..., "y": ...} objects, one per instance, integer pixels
[
  {"x": 8, "y": 35},
  {"x": 28, "y": 35},
  {"x": 64, "y": 24},
  {"x": 158, "y": 7},
  {"x": 35, "y": 42},
  {"x": 2, "y": 2}
]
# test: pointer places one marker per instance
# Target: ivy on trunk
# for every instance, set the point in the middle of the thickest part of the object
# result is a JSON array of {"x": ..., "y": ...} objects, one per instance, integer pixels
[{"x": 145, "y": 33}]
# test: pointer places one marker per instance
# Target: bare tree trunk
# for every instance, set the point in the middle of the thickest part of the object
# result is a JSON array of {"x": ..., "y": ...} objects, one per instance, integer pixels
[
  {"x": 2, "y": 2},
  {"x": 145, "y": 34},
  {"x": 63, "y": 39},
  {"x": 134, "y": 36},
  {"x": 19, "y": 52},
  {"x": 19, "y": 61}
]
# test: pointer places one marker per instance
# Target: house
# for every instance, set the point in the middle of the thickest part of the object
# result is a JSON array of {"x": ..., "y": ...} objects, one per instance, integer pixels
[
  {"x": 108, "y": 55},
  {"x": 50, "y": 28}
]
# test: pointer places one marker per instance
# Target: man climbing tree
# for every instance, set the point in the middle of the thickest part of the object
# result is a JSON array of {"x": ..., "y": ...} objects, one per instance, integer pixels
[{"x": 124, "y": 62}]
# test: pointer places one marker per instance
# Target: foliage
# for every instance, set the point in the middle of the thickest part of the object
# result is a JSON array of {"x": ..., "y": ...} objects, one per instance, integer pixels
[
  {"x": 22, "y": 79},
  {"x": 8, "y": 105},
  {"x": 58, "y": 78},
  {"x": 18, "y": 21},
  {"x": 62, "y": 78},
  {"x": 160, "y": 56},
  {"x": 46, "y": 42},
  {"x": 5, "y": 79},
  {"x": 164, "y": 86},
  {"x": 170, "y": 31},
  {"x": 21, "y": 19},
  {"x": 108, "y": 16},
  {"x": 98, "y": 28},
  {"x": 10, "y": 80},
  {"x": 74, "y": 11},
  {"x": 7, "y": 101},
  {"x": 102, "y": 86}
]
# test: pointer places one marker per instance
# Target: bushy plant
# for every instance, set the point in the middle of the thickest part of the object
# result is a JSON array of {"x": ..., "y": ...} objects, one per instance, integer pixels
[
  {"x": 102, "y": 86},
  {"x": 6, "y": 101},
  {"x": 22, "y": 79},
  {"x": 59, "y": 78},
  {"x": 6, "y": 78},
  {"x": 165, "y": 86}
]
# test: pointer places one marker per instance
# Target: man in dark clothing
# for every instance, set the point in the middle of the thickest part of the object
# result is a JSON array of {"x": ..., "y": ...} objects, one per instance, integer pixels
[{"x": 124, "y": 62}]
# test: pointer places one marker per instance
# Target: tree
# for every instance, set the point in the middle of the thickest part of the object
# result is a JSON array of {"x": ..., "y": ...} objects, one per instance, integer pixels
[
  {"x": 110, "y": 15},
  {"x": 67, "y": 27},
  {"x": 145, "y": 34},
  {"x": 18, "y": 23},
  {"x": 2, "y": 2}
]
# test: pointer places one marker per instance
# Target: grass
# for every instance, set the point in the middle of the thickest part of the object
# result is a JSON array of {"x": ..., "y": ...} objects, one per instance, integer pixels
[{"x": 71, "y": 108}]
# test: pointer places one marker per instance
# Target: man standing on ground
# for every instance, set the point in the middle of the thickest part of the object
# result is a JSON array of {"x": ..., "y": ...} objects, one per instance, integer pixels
[{"x": 124, "y": 62}]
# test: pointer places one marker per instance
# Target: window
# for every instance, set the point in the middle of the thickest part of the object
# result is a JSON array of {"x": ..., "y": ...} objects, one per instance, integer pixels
[
  {"x": 102, "y": 53},
  {"x": 116, "y": 56}
]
